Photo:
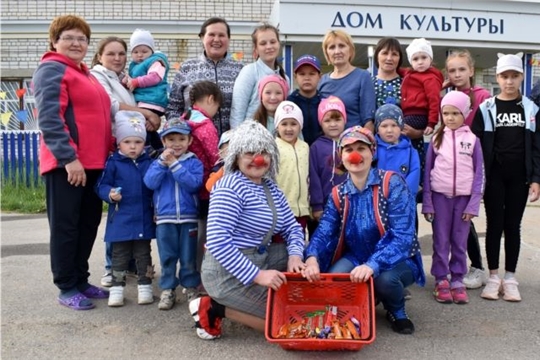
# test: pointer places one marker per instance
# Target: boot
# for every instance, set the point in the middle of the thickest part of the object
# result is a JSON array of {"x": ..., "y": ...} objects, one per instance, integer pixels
[
  {"x": 116, "y": 296},
  {"x": 145, "y": 294}
]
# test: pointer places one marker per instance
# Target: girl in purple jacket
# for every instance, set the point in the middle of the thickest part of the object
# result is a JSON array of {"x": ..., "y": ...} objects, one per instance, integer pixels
[{"x": 450, "y": 202}]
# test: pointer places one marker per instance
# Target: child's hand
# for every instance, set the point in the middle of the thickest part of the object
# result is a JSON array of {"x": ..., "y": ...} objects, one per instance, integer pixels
[
  {"x": 534, "y": 192},
  {"x": 428, "y": 130},
  {"x": 446, "y": 84},
  {"x": 167, "y": 157},
  {"x": 131, "y": 84},
  {"x": 115, "y": 194},
  {"x": 429, "y": 217},
  {"x": 317, "y": 215},
  {"x": 467, "y": 217}
]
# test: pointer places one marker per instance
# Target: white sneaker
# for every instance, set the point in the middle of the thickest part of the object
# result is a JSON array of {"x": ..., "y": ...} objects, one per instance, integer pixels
[
  {"x": 510, "y": 290},
  {"x": 145, "y": 294},
  {"x": 492, "y": 289},
  {"x": 106, "y": 279},
  {"x": 475, "y": 278},
  {"x": 167, "y": 300},
  {"x": 116, "y": 296}
]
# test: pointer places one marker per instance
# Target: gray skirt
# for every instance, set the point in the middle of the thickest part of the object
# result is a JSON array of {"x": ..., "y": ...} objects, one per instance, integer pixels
[{"x": 228, "y": 291}]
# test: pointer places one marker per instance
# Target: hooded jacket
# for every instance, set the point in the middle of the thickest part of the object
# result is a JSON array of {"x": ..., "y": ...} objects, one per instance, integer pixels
[
  {"x": 401, "y": 158},
  {"x": 74, "y": 114},
  {"x": 421, "y": 94}
]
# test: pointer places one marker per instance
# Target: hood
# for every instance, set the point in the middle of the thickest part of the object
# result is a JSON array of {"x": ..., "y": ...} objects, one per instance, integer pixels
[{"x": 404, "y": 142}]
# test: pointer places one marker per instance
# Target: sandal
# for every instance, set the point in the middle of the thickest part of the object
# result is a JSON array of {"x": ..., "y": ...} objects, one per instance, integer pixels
[
  {"x": 74, "y": 302},
  {"x": 94, "y": 292}
]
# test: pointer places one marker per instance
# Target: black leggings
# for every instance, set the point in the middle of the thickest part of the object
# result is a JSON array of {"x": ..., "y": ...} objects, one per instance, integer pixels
[
  {"x": 504, "y": 200},
  {"x": 473, "y": 249}
]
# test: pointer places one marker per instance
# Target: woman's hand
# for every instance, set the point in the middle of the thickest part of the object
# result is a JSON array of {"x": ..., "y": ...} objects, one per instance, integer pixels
[
  {"x": 76, "y": 174},
  {"x": 295, "y": 264},
  {"x": 361, "y": 273},
  {"x": 411, "y": 132},
  {"x": 153, "y": 121},
  {"x": 312, "y": 272},
  {"x": 370, "y": 126},
  {"x": 428, "y": 130},
  {"x": 270, "y": 278},
  {"x": 534, "y": 192}
]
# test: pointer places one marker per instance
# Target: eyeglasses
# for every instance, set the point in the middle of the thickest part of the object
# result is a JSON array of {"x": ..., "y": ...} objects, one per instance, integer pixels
[{"x": 73, "y": 39}]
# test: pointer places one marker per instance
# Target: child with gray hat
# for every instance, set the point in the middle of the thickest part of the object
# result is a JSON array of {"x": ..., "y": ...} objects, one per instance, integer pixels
[{"x": 130, "y": 224}]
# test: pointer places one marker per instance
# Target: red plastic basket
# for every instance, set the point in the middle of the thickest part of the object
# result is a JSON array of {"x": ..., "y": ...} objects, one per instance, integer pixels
[{"x": 298, "y": 297}]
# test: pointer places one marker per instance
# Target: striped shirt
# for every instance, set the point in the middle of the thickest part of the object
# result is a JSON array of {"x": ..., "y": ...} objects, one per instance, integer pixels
[{"x": 240, "y": 217}]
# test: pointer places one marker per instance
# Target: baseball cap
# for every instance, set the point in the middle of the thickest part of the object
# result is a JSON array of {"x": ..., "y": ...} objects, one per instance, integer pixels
[
  {"x": 509, "y": 62},
  {"x": 357, "y": 133},
  {"x": 307, "y": 60},
  {"x": 175, "y": 125}
]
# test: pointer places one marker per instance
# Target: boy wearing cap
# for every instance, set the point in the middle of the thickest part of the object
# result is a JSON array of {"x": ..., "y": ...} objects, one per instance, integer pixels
[
  {"x": 307, "y": 73},
  {"x": 130, "y": 224},
  {"x": 507, "y": 126},
  {"x": 176, "y": 178},
  {"x": 394, "y": 150},
  {"x": 324, "y": 160}
]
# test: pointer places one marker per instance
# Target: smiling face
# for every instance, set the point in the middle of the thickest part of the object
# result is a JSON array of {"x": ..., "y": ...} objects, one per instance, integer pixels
[
  {"x": 271, "y": 96},
  {"x": 510, "y": 83},
  {"x": 114, "y": 57},
  {"x": 132, "y": 146},
  {"x": 420, "y": 61},
  {"x": 72, "y": 44},
  {"x": 288, "y": 130},
  {"x": 389, "y": 131},
  {"x": 267, "y": 47},
  {"x": 452, "y": 117},
  {"x": 179, "y": 143},
  {"x": 252, "y": 167},
  {"x": 355, "y": 167},
  {"x": 216, "y": 41},
  {"x": 140, "y": 53}
]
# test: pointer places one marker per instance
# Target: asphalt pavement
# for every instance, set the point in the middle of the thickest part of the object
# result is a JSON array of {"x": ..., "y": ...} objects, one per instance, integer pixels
[{"x": 35, "y": 326}]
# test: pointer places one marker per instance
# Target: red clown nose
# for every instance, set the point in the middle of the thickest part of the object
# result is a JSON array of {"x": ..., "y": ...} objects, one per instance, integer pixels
[
  {"x": 355, "y": 158},
  {"x": 259, "y": 161}
]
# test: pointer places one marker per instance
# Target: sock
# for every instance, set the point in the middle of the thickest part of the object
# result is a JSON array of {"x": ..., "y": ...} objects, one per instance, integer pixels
[
  {"x": 217, "y": 310},
  {"x": 509, "y": 275},
  {"x": 494, "y": 276}
]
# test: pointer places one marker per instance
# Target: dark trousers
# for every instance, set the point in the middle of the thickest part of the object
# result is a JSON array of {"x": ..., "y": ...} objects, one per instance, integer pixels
[
  {"x": 74, "y": 214},
  {"x": 123, "y": 252},
  {"x": 473, "y": 248},
  {"x": 505, "y": 199}
]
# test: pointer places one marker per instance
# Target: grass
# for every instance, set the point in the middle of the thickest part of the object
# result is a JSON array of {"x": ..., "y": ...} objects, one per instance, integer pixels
[{"x": 21, "y": 199}]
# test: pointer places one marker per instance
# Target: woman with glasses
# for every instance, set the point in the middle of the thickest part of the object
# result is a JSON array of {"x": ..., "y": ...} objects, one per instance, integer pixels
[{"x": 74, "y": 116}]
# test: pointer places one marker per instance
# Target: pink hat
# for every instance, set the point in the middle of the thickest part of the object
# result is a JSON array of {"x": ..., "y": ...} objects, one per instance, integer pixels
[
  {"x": 288, "y": 110},
  {"x": 331, "y": 103},
  {"x": 273, "y": 78},
  {"x": 458, "y": 99}
]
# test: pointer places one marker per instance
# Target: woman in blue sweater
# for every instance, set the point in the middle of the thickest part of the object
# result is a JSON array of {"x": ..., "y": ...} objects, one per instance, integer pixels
[
  {"x": 246, "y": 210},
  {"x": 379, "y": 239}
]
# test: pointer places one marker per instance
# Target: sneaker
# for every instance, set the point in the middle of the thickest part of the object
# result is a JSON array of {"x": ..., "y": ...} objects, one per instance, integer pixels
[
  {"x": 116, "y": 296},
  {"x": 191, "y": 293},
  {"x": 145, "y": 295},
  {"x": 208, "y": 327},
  {"x": 442, "y": 292},
  {"x": 459, "y": 295},
  {"x": 400, "y": 322},
  {"x": 106, "y": 279},
  {"x": 492, "y": 289},
  {"x": 167, "y": 300},
  {"x": 407, "y": 294},
  {"x": 475, "y": 278},
  {"x": 510, "y": 290}
]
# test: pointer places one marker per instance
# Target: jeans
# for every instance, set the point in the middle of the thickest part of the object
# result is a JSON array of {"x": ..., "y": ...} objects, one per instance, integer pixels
[
  {"x": 178, "y": 243},
  {"x": 122, "y": 254},
  {"x": 388, "y": 285}
]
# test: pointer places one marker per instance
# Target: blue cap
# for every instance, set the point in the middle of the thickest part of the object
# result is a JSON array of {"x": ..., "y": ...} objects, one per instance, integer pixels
[
  {"x": 307, "y": 60},
  {"x": 175, "y": 125}
]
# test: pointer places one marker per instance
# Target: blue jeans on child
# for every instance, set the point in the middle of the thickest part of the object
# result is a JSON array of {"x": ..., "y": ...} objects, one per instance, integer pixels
[
  {"x": 388, "y": 285},
  {"x": 178, "y": 243}
]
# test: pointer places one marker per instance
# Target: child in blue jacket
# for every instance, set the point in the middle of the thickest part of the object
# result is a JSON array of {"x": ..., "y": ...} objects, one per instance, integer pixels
[
  {"x": 176, "y": 178},
  {"x": 130, "y": 224}
]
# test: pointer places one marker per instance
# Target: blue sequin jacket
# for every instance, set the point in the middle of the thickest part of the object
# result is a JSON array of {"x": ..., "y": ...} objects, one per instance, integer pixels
[{"x": 363, "y": 242}]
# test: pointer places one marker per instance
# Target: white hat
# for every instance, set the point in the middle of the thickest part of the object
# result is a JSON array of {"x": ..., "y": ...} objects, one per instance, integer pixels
[
  {"x": 141, "y": 37},
  {"x": 419, "y": 45},
  {"x": 288, "y": 110},
  {"x": 129, "y": 123},
  {"x": 509, "y": 62}
]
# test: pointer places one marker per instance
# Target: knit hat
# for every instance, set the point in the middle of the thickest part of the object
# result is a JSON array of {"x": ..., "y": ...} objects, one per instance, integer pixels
[
  {"x": 509, "y": 62},
  {"x": 419, "y": 45},
  {"x": 307, "y": 60},
  {"x": 141, "y": 37},
  {"x": 388, "y": 112},
  {"x": 354, "y": 134},
  {"x": 331, "y": 103},
  {"x": 129, "y": 123},
  {"x": 273, "y": 78},
  {"x": 225, "y": 138},
  {"x": 287, "y": 110},
  {"x": 252, "y": 137},
  {"x": 458, "y": 99},
  {"x": 175, "y": 125}
]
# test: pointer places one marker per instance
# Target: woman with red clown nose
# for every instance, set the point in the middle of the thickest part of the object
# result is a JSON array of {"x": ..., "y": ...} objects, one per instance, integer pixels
[
  {"x": 246, "y": 210},
  {"x": 379, "y": 237}
]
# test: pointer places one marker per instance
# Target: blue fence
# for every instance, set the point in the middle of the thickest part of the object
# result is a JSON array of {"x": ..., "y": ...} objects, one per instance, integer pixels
[{"x": 20, "y": 157}]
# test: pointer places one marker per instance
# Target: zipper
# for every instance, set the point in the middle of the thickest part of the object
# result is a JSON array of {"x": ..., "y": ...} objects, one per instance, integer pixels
[
  {"x": 299, "y": 181},
  {"x": 455, "y": 160}
]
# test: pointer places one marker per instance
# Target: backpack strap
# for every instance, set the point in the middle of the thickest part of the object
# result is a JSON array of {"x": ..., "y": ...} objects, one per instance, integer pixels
[
  {"x": 380, "y": 200},
  {"x": 341, "y": 201}
]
